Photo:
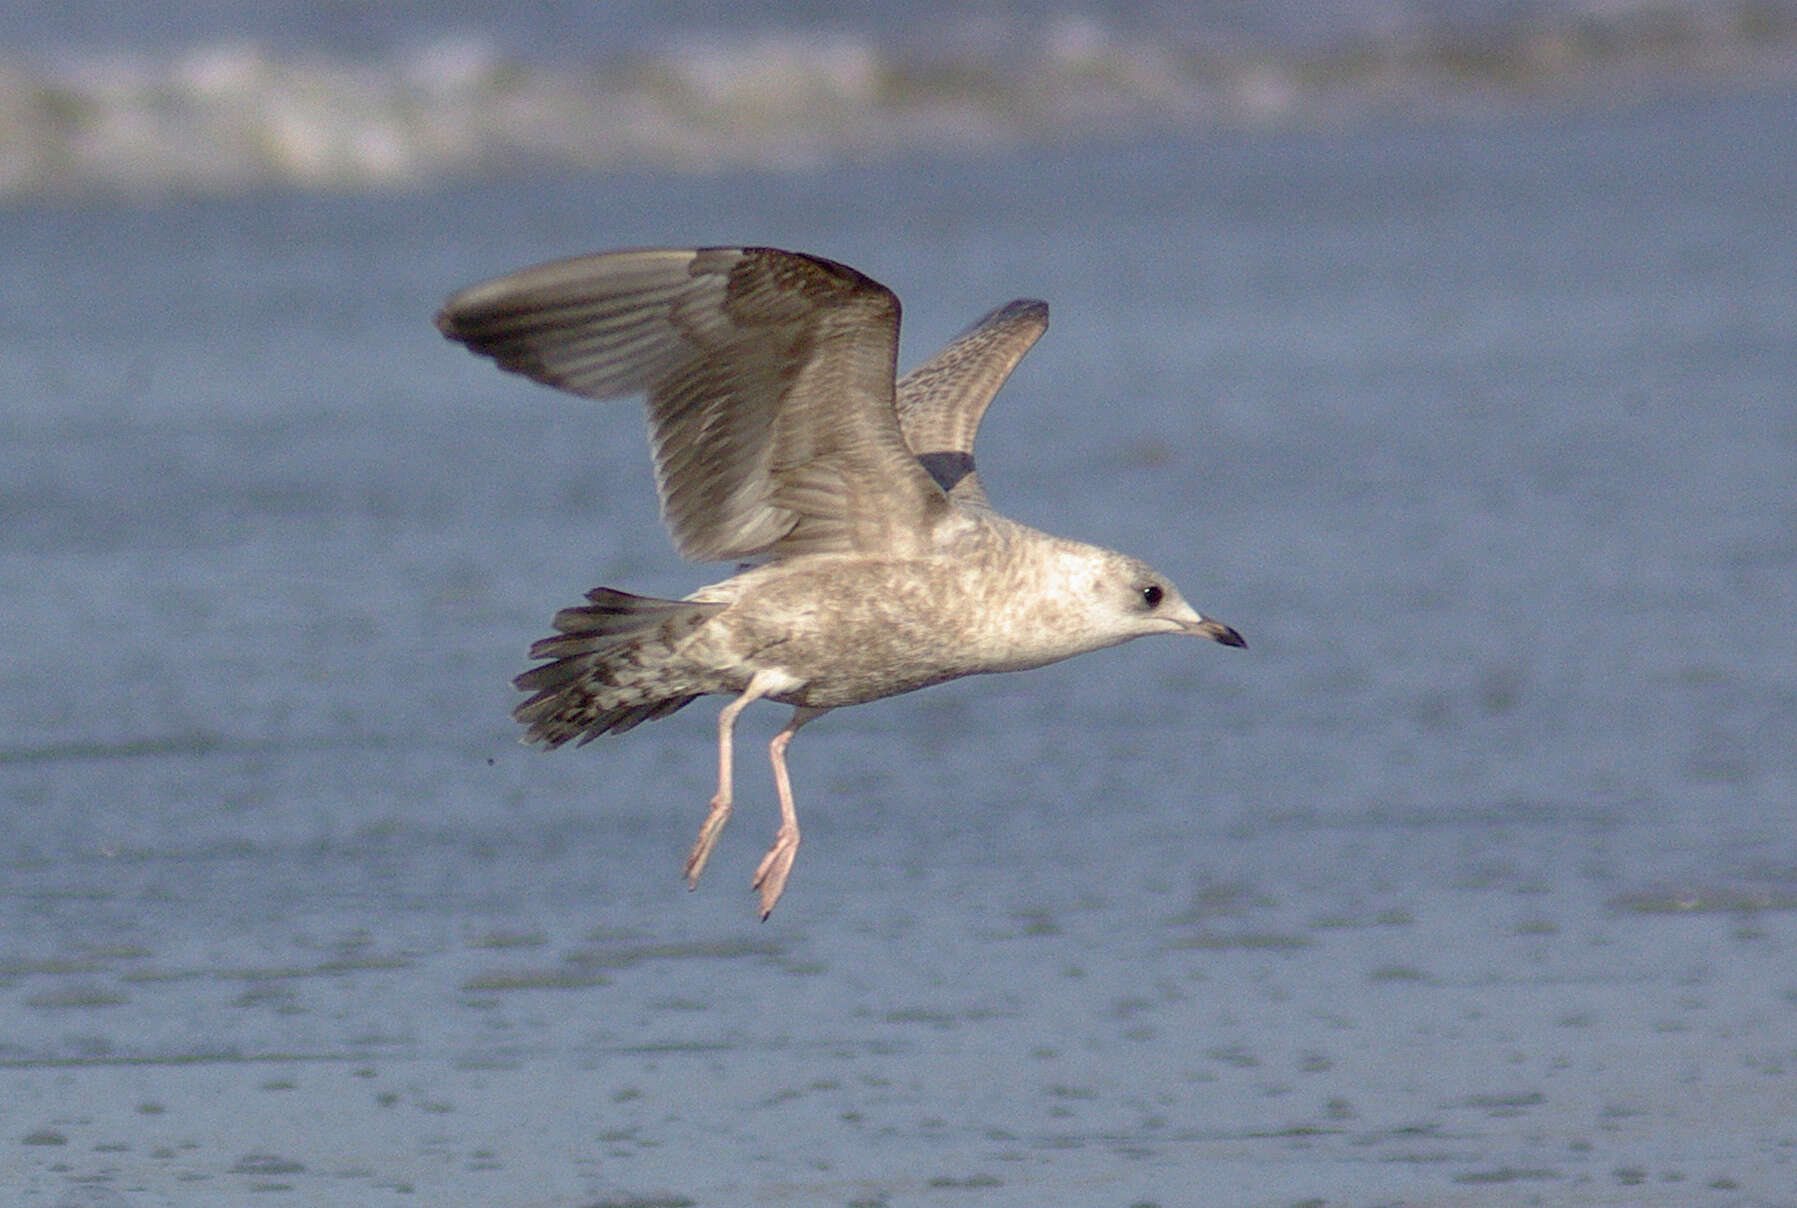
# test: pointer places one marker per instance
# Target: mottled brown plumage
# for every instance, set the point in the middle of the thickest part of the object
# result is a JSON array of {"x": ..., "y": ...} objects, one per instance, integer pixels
[{"x": 781, "y": 435}]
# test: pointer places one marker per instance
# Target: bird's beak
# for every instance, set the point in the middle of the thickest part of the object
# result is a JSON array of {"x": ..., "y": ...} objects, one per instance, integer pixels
[{"x": 1216, "y": 631}]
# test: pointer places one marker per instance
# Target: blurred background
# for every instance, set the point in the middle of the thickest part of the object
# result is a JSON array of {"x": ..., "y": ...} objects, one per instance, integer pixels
[
  {"x": 216, "y": 99},
  {"x": 1444, "y": 349}
]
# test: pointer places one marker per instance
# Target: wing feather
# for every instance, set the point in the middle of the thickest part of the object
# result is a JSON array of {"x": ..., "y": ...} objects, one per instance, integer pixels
[
  {"x": 769, "y": 379},
  {"x": 941, "y": 402}
]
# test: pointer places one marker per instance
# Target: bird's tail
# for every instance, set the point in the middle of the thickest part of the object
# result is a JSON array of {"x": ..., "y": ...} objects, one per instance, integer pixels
[{"x": 610, "y": 667}]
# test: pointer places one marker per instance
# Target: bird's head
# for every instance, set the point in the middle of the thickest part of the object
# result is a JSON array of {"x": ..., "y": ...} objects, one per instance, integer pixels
[{"x": 1115, "y": 598}]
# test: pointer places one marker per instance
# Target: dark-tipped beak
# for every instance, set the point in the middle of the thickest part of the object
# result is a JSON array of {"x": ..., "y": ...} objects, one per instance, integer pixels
[{"x": 1217, "y": 631}]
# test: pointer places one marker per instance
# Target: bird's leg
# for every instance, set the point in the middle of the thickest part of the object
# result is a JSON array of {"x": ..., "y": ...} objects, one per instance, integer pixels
[
  {"x": 770, "y": 877},
  {"x": 720, "y": 803}
]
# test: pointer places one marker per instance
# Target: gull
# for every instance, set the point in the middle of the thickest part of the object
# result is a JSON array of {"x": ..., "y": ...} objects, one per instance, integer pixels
[{"x": 869, "y": 562}]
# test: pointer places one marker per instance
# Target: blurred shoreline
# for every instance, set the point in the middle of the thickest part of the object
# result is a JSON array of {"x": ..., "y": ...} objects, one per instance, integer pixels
[{"x": 234, "y": 116}]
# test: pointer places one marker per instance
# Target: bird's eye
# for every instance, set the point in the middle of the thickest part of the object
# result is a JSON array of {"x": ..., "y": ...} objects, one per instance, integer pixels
[{"x": 1151, "y": 595}]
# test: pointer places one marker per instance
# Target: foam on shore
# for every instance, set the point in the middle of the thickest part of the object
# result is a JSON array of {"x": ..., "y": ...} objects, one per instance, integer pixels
[{"x": 231, "y": 117}]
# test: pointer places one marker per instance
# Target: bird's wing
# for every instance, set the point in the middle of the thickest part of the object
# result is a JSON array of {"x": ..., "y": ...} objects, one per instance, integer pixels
[
  {"x": 941, "y": 401},
  {"x": 769, "y": 382}
]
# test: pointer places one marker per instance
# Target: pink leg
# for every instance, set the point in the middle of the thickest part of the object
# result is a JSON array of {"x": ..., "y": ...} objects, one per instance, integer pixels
[
  {"x": 770, "y": 877},
  {"x": 720, "y": 804}
]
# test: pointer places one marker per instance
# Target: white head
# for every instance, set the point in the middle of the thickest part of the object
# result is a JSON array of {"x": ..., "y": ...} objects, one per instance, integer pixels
[
  {"x": 1101, "y": 598},
  {"x": 1139, "y": 600}
]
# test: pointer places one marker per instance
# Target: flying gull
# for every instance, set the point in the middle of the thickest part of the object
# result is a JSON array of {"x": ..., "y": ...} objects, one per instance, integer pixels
[{"x": 871, "y": 563}]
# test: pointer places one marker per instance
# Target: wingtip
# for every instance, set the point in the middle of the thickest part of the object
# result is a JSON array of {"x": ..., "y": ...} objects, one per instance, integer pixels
[{"x": 1017, "y": 310}]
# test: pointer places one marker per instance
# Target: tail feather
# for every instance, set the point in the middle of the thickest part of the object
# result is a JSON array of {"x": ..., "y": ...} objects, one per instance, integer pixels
[
  {"x": 620, "y": 720},
  {"x": 612, "y": 667}
]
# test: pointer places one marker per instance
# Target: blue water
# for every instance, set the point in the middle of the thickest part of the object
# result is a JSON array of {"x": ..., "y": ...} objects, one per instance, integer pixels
[
  {"x": 561, "y": 28},
  {"x": 1471, "y": 881},
  {"x": 194, "y": 98}
]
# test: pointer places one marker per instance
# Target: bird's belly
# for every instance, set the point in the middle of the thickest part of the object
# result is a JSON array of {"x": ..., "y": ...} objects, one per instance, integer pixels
[
  {"x": 847, "y": 648},
  {"x": 877, "y": 663}
]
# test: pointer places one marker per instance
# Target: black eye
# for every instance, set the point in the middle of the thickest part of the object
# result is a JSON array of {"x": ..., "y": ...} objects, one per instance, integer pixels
[{"x": 1151, "y": 595}]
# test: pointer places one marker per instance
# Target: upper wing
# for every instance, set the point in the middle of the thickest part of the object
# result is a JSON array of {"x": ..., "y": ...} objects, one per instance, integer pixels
[
  {"x": 769, "y": 382},
  {"x": 941, "y": 401}
]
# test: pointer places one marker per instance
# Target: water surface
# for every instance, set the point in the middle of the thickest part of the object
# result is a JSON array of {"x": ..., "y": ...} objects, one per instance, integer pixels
[{"x": 1470, "y": 882}]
